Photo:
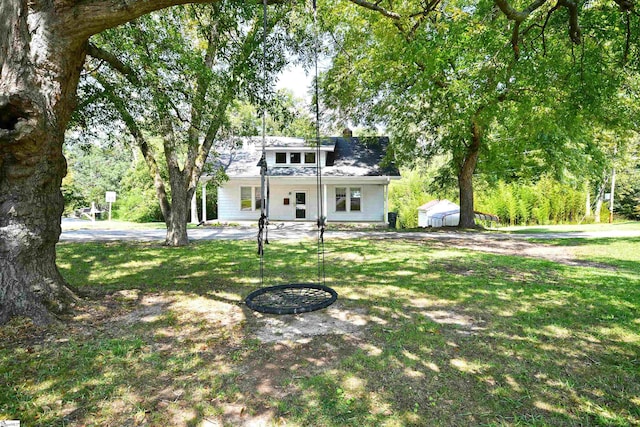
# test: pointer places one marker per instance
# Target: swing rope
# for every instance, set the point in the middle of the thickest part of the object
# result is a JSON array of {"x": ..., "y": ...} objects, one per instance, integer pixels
[
  {"x": 319, "y": 189},
  {"x": 263, "y": 222},
  {"x": 290, "y": 298}
]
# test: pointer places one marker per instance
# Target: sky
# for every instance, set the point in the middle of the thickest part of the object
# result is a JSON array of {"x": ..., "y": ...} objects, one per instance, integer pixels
[{"x": 295, "y": 79}]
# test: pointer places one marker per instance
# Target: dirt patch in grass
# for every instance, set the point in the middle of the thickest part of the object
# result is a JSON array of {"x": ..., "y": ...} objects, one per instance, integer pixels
[
  {"x": 464, "y": 324},
  {"x": 301, "y": 328},
  {"x": 513, "y": 247}
]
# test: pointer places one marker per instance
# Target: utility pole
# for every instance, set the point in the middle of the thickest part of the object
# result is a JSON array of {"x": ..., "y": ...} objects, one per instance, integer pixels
[{"x": 613, "y": 183}]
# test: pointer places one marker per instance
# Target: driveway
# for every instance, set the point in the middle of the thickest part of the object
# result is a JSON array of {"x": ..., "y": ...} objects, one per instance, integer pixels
[
  {"x": 84, "y": 231},
  {"x": 97, "y": 234},
  {"x": 296, "y": 231}
]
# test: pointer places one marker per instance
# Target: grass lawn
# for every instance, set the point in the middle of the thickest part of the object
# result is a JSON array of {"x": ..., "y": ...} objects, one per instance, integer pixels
[
  {"x": 605, "y": 226},
  {"x": 422, "y": 334}
]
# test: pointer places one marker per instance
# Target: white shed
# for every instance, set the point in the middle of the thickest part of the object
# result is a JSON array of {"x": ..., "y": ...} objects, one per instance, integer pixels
[
  {"x": 439, "y": 213},
  {"x": 444, "y": 213}
]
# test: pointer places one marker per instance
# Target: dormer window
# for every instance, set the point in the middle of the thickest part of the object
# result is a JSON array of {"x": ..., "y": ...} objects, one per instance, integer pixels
[
  {"x": 298, "y": 156},
  {"x": 310, "y": 157}
]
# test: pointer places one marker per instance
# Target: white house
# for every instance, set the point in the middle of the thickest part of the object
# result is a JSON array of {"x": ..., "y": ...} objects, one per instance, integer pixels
[{"x": 355, "y": 175}]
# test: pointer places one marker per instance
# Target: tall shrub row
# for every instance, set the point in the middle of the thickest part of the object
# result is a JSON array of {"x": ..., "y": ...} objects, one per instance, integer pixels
[{"x": 544, "y": 202}]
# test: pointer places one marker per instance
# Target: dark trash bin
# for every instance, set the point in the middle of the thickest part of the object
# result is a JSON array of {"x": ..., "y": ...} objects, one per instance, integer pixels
[{"x": 392, "y": 218}]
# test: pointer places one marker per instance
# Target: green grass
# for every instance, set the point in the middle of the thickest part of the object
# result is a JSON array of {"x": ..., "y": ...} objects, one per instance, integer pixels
[
  {"x": 443, "y": 337},
  {"x": 563, "y": 228}
]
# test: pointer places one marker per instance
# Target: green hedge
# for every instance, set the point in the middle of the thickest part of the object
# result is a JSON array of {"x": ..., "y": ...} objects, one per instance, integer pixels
[{"x": 545, "y": 202}]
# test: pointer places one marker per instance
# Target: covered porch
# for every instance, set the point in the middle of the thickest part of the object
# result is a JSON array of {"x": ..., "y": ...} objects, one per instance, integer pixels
[{"x": 362, "y": 199}]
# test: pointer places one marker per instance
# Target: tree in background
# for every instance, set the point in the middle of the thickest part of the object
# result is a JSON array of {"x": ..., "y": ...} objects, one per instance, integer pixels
[
  {"x": 628, "y": 193},
  {"x": 625, "y": 174},
  {"x": 446, "y": 81},
  {"x": 177, "y": 76},
  {"x": 137, "y": 200},
  {"x": 96, "y": 170},
  {"x": 287, "y": 116}
]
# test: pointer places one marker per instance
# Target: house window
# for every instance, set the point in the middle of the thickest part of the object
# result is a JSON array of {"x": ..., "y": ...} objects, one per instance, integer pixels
[
  {"x": 356, "y": 197},
  {"x": 310, "y": 157},
  {"x": 295, "y": 158},
  {"x": 245, "y": 198},
  {"x": 341, "y": 199},
  {"x": 250, "y": 198},
  {"x": 348, "y": 199},
  {"x": 281, "y": 158}
]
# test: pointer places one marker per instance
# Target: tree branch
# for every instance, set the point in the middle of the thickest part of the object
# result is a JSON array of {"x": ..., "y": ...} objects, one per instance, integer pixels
[
  {"x": 625, "y": 55},
  {"x": 113, "y": 62},
  {"x": 518, "y": 17},
  {"x": 214, "y": 126},
  {"x": 202, "y": 87},
  {"x": 626, "y": 5},
  {"x": 141, "y": 142},
  {"x": 375, "y": 7},
  {"x": 79, "y": 20},
  {"x": 86, "y": 18},
  {"x": 575, "y": 34},
  {"x": 543, "y": 28}
]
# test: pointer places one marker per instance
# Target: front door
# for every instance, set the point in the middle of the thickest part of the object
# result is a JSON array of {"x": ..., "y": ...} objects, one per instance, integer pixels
[{"x": 301, "y": 204}]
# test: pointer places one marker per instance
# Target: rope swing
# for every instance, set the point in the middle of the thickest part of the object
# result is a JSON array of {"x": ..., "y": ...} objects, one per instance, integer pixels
[{"x": 291, "y": 298}]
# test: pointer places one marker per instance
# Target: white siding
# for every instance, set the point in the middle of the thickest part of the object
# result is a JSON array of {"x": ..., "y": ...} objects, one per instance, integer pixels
[
  {"x": 229, "y": 202},
  {"x": 423, "y": 219},
  {"x": 372, "y": 204},
  {"x": 278, "y": 211}
]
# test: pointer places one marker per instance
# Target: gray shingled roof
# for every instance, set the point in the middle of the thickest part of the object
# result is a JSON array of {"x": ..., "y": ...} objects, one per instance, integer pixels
[{"x": 351, "y": 157}]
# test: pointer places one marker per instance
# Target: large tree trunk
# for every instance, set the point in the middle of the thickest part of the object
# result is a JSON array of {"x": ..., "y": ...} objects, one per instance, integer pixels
[
  {"x": 178, "y": 219},
  {"x": 465, "y": 177},
  {"x": 42, "y": 49},
  {"x": 39, "y": 71},
  {"x": 181, "y": 196}
]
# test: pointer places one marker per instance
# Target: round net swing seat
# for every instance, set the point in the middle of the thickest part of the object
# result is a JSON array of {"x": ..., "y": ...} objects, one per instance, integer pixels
[{"x": 292, "y": 298}]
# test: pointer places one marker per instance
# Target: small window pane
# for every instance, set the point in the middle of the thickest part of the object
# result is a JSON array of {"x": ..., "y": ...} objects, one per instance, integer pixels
[
  {"x": 281, "y": 157},
  {"x": 310, "y": 157},
  {"x": 258, "y": 197},
  {"x": 355, "y": 199},
  {"x": 301, "y": 198},
  {"x": 341, "y": 199},
  {"x": 295, "y": 157},
  {"x": 245, "y": 198}
]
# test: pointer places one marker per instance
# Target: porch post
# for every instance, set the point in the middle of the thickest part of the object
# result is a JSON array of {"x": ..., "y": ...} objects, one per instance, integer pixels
[
  {"x": 385, "y": 218},
  {"x": 194, "y": 210},
  {"x": 324, "y": 201},
  {"x": 204, "y": 201}
]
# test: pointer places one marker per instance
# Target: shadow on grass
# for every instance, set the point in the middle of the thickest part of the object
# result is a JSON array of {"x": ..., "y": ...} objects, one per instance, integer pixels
[
  {"x": 617, "y": 252},
  {"x": 447, "y": 337}
]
